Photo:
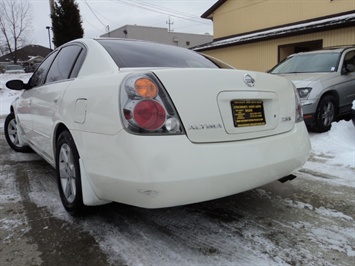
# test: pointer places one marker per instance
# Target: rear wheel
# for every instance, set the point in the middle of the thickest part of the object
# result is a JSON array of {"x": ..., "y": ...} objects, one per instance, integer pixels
[
  {"x": 11, "y": 134},
  {"x": 325, "y": 114},
  {"x": 68, "y": 174}
]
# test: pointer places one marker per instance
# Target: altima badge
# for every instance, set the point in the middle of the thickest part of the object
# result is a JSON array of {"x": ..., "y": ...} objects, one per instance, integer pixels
[
  {"x": 249, "y": 80},
  {"x": 204, "y": 126}
]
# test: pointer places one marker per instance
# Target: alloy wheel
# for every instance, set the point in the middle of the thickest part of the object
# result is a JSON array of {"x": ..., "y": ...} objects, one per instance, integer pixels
[
  {"x": 67, "y": 173},
  {"x": 328, "y": 114},
  {"x": 12, "y": 131}
]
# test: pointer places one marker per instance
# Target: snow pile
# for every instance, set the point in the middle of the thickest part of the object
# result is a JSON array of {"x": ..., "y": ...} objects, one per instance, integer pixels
[
  {"x": 337, "y": 145},
  {"x": 333, "y": 155}
]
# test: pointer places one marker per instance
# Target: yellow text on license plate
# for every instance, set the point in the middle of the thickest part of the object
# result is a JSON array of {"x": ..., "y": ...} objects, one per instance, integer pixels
[{"x": 247, "y": 113}]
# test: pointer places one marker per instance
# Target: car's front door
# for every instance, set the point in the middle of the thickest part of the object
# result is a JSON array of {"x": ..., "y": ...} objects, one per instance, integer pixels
[
  {"x": 24, "y": 104},
  {"x": 347, "y": 83},
  {"x": 47, "y": 99},
  {"x": 45, "y": 104}
]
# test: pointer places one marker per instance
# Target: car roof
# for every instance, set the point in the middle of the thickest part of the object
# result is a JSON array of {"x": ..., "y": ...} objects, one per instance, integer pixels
[
  {"x": 339, "y": 48},
  {"x": 333, "y": 49}
]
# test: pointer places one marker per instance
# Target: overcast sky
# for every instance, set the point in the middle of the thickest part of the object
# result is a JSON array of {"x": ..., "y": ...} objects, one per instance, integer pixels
[{"x": 100, "y": 15}]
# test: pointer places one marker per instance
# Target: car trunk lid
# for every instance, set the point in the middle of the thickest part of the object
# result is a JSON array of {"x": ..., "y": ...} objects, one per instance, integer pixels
[{"x": 218, "y": 105}]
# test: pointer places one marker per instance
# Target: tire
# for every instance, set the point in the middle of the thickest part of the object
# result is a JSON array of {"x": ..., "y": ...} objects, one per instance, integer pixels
[
  {"x": 11, "y": 134},
  {"x": 68, "y": 175},
  {"x": 325, "y": 114}
]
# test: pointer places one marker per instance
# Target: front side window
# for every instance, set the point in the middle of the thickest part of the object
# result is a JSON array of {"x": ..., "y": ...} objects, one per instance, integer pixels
[
  {"x": 63, "y": 64},
  {"x": 349, "y": 62},
  {"x": 308, "y": 63},
  {"x": 39, "y": 75}
]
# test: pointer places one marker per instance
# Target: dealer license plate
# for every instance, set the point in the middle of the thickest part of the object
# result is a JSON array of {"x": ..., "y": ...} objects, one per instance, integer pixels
[{"x": 247, "y": 113}]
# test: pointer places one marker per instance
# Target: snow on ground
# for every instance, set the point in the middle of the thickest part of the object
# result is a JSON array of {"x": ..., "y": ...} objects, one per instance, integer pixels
[{"x": 337, "y": 148}]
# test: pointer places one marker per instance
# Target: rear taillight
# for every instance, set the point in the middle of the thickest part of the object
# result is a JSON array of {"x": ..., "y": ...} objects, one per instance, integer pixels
[
  {"x": 146, "y": 108},
  {"x": 149, "y": 114}
]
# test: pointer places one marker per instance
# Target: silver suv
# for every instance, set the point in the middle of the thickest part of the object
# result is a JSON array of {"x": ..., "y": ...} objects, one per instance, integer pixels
[{"x": 325, "y": 81}]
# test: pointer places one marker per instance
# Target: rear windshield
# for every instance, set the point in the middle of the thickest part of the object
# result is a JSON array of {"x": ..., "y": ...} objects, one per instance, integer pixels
[
  {"x": 128, "y": 53},
  {"x": 308, "y": 63}
]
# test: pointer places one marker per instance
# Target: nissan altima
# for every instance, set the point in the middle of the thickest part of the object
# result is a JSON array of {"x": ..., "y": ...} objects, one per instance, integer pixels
[{"x": 155, "y": 126}]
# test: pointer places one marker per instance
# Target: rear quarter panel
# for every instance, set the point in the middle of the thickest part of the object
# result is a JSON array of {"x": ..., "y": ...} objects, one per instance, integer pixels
[{"x": 92, "y": 104}]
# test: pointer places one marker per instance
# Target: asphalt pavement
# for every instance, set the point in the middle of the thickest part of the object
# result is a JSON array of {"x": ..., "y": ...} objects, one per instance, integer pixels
[{"x": 302, "y": 222}]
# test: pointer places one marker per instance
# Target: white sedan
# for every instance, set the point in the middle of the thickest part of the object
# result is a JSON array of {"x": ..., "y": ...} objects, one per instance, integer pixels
[{"x": 154, "y": 126}]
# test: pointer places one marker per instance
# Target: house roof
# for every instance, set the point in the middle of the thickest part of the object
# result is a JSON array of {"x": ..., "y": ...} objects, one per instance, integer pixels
[
  {"x": 212, "y": 9},
  {"x": 339, "y": 21},
  {"x": 26, "y": 53}
]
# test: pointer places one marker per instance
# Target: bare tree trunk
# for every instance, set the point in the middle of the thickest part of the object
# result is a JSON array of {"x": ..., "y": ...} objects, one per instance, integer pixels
[{"x": 15, "y": 23}]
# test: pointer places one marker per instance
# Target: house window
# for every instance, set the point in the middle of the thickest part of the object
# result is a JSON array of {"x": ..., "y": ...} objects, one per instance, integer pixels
[{"x": 288, "y": 49}]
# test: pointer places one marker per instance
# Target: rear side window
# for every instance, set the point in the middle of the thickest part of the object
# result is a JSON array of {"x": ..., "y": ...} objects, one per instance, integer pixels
[
  {"x": 63, "y": 64},
  {"x": 128, "y": 53}
]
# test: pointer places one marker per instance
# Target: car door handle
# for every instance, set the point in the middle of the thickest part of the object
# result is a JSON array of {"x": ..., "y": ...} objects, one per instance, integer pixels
[{"x": 55, "y": 100}]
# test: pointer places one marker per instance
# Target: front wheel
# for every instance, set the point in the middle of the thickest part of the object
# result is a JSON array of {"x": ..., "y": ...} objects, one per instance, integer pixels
[
  {"x": 325, "y": 114},
  {"x": 68, "y": 174},
  {"x": 11, "y": 134}
]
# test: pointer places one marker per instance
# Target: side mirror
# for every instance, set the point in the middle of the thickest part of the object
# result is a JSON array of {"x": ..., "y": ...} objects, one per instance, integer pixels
[
  {"x": 16, "y": 85},
  {"x": 347, "y": 69}
]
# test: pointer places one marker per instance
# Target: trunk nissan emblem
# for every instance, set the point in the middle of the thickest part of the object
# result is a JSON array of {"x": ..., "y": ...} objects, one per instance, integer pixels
[{"x": 249, "y": 80}]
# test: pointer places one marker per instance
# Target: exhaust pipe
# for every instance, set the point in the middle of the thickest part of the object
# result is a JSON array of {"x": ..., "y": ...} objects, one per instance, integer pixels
[{"x": 287, "y": 178}]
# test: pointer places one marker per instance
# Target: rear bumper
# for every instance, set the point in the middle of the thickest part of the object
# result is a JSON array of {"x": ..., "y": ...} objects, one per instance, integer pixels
[{"x": 165, "y": 171}]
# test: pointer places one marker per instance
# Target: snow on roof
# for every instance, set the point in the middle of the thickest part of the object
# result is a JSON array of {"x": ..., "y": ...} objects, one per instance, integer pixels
[{"x": 318, "y": 24}]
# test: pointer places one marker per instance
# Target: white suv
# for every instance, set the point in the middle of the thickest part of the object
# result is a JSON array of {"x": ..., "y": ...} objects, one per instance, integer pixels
[{"x": 325, "y": 81}]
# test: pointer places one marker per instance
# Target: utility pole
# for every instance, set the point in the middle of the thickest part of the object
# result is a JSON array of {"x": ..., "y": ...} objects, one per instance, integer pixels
[
  {"x": 170, "y": 23},
  {"x": 51, "y": 6},
  {"x": 49, "y": 37}
]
